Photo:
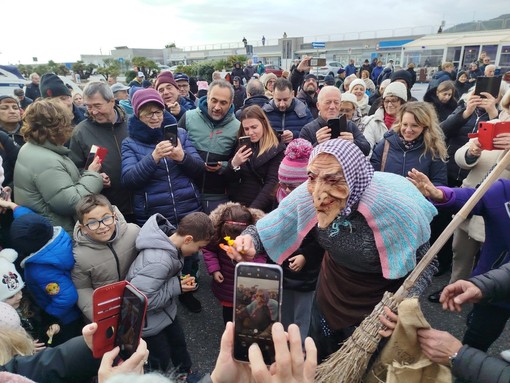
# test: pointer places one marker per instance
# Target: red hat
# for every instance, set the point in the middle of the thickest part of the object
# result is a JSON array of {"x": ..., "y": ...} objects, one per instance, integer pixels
[{"x": 165, "y": 77}]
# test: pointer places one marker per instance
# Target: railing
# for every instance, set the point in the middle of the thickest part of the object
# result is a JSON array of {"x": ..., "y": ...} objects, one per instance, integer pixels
[{"x": 408, "y": 31}]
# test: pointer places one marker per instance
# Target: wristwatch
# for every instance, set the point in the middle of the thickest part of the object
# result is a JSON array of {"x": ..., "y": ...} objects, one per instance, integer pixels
[
  {"x": 451, "y": 359},
  {"x": 236, "y": 169}
]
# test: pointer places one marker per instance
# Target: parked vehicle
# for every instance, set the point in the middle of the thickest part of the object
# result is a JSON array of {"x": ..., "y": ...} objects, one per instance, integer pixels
[
  {"x": 10, "y": 79},
  {"x": 272, "y": 68},
  {"x": 330, "y": 68}
]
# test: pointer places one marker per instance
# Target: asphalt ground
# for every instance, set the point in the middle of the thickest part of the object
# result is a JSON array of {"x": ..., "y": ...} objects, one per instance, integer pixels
[{"x": 203, "y": 330}]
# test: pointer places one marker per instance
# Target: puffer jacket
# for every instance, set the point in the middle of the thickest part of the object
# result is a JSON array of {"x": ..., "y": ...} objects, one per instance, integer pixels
[
  {"x": 443, "y": 110},
  {"x": 47, "y": 274},
  {"x": 400, "y": 160},
  {"x": 166, "y": 187},
  {"x": 373, "y": 127},
  {"x": 156, "y": 273},
  {"x": 49, "y": 183},
  {"x": 254, "y": 185},
  {"x": 293, "y": 119},
  {"x": 216, "y": 259},
  {"x": 98, "y": 264}
]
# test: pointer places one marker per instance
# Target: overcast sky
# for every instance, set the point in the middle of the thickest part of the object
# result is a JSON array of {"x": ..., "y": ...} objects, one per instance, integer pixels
[{"x": 62, "y": 30}]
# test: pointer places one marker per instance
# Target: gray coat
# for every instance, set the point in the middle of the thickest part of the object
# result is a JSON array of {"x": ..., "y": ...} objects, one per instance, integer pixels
[
  {"x": 156, "y": 273},
  {"x": 473, "y": 365}
]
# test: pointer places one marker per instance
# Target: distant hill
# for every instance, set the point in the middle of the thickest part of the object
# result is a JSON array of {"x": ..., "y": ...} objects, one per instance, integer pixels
[{"x": 500, "y": 22}]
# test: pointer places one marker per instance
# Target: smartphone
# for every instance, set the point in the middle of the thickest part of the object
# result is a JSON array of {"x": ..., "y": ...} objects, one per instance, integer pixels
[
  {"x": 131, "y": 321},
  {"x": 338, "y": 125},
  {"x": 317, "y": 61},
  {"x": 101, "y": 153},
  {"x": 279, "y": 134},
  {"x": 244, "y": 141},
  {"x": 170, "y": 133},
  {"x": 107, "y": 302},
  {"x": 212, "y": 163},
  {"x": 257, "y": 305}
]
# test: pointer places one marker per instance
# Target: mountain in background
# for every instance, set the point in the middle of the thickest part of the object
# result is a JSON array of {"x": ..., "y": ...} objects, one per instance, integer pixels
[{"x": 500, "y": 22}]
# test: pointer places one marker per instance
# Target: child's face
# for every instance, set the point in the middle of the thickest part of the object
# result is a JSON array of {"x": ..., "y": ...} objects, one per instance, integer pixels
[
  {"x": 15, "y": 300},
  {"x": 99, "y": 224},
  {"x": 190, "y": 247}
]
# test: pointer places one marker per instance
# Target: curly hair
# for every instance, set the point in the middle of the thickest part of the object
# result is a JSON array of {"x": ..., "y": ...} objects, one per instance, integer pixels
[
  {"x": 425, "y": 116},
  {"x": 47, "y": 119}
]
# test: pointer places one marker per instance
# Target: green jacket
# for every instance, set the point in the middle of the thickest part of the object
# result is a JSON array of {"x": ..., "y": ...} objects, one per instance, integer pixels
[{"x": 49, "y": 183}]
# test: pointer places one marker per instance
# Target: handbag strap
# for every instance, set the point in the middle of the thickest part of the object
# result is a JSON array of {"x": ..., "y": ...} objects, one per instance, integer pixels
[{"x": 385, "y": 154}]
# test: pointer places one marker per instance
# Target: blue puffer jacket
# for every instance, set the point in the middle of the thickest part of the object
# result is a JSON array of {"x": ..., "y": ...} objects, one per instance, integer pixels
[
  {"x": 293, "y": 119},
  {"x": 166, "y": 187},
  {"x": 400, "y": 161},
  {"x": 47, "y": 274}
]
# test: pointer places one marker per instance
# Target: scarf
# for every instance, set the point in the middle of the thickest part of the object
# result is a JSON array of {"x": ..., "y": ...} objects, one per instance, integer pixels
[
  {"x": 141, "y": 132},
  {"x": 389, "y": 120}
]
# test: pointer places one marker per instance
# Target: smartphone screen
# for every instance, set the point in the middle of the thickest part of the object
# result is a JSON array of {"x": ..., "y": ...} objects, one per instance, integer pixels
[
  {"x": 257, "y": 300},
  {"x": 244, "y": 141},
  {"x": 131, "y": 321},
  {"x": 170, "y": 133}
]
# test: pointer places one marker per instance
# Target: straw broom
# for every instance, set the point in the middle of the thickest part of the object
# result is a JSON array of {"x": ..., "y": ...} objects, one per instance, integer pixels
[{"x": 349, "y": 363}]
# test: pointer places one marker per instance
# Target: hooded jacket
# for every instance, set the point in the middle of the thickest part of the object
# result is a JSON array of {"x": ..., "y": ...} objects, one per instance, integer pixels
[
  {"x": 167, "y": 187},
  {"x": 156, "y": 273},
  {"x": 443, "y": 110},
  {"x": 47, "y": 274},
  {"x": 98, "y": 264}
]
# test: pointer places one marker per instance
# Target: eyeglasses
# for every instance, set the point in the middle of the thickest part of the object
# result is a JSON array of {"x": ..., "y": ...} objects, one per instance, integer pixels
[
  {"x": 388, "y": 101},
  {"x": 107, "y": 221},
  {"x": 158, "y": 114}
]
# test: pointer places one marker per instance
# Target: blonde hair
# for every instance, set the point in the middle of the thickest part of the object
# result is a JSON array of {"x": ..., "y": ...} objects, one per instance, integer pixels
[
  {"x": 425, "y": 116},
  {"x": 269, "y": 138},
  {"x": 14, "y": 342}
]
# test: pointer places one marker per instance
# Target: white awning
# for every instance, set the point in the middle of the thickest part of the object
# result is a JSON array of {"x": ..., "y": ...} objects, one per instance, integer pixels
[{"x": 442, "y": 40}]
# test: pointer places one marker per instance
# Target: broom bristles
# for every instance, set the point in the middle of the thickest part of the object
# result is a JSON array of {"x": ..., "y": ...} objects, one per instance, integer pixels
[{"x": 349, "y": 363}]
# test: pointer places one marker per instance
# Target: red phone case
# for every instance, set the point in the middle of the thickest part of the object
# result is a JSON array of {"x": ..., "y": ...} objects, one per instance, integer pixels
[
  {"x": 101, "y": 153},
  {"x": 106, "y": 305},
  {"x": 487, "y": 131}
]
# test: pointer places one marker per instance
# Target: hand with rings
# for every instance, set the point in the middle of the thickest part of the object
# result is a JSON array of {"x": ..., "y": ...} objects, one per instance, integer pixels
[{"x": 475, "y": 148}]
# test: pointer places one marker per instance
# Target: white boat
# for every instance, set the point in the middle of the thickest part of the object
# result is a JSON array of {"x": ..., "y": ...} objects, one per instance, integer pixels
[{"x": 10, "y": 79}]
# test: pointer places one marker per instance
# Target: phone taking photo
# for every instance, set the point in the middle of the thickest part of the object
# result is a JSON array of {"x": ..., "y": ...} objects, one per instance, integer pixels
[
  {"x": 257, "y": 305},
  {"x": 131, "y": 320},
  {"x": 337, "y": 125},
  {"x": 170, "y": 133},
  {"x": 244, "y": 141}
]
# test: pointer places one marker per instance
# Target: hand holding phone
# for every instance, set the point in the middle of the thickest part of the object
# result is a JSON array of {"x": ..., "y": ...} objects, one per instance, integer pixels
[
  {"x": 257, "y": 305},
  {"x": 245, "y": 141},
  {"x": 170, "y": 133},
  {"x": 337, "y": 125}
]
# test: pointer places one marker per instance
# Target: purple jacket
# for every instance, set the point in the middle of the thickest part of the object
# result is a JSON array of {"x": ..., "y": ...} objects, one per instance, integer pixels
[
  {"x": 494, "y": 207},
  {"x": 217, "y": 260}
]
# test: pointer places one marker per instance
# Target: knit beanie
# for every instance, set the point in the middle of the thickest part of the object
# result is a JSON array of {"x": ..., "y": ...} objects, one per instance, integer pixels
[
  {"x": 29, "y": 233},
  {"x": 165, "y": 78},
  {"x": 329, "y": 80},
  {"x": 145, "y": 96},
  {"x": 357, "y": 82},
  {"x": 11, "y": 280},
  {"x": 293, "y": 166},
  {"x": 52, "y": 86},
  {"x": 396, "y": 89},
  {"x": 8, "y": 377},
  {"x": 292, "y": 169},
  {"x": 402, "y": 75},
  {"x": 9, "y": 317}
]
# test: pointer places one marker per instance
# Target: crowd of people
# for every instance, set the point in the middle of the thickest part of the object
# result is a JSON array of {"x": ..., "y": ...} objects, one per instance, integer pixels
[{"x": 94, "y": 191}]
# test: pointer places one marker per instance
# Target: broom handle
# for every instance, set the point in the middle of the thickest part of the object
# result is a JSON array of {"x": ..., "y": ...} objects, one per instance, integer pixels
[{"x": 455, "y": 222}]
